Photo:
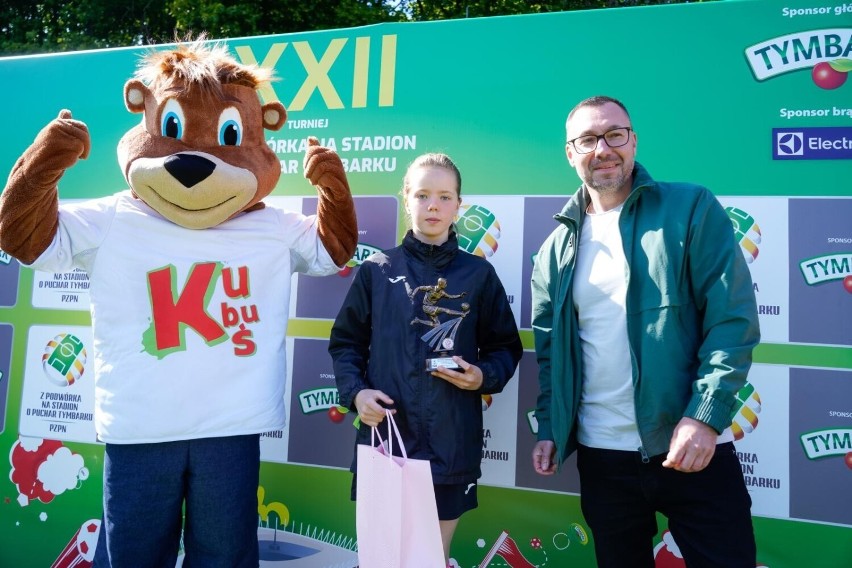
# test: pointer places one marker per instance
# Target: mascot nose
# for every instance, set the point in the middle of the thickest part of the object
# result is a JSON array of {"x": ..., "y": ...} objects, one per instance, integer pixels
[{"x": 189, "y": 169}]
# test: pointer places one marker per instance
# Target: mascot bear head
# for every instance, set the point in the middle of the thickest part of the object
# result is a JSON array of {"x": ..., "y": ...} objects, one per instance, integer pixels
[{"x": 199, "y": 156}]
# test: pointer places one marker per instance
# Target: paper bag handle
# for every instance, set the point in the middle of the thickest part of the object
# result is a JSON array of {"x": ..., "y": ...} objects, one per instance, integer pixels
[{"x": 392, "y": 428}]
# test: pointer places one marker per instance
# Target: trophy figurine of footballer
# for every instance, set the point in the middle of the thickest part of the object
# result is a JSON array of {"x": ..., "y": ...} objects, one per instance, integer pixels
[{"x": 441, "y": 338}]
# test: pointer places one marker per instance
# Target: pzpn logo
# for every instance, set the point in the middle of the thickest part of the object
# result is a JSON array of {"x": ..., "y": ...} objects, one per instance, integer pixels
[
  {"x": 478, "y": 230},
  {"x": 64, "y": 359}
]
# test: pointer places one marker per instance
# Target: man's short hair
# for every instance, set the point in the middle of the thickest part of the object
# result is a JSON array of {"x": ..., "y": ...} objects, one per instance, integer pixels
[{"x": 596, "y": 101}]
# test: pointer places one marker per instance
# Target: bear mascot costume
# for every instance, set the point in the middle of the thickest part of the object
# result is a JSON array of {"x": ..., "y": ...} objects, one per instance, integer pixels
[{"x": 190, "y": 278}]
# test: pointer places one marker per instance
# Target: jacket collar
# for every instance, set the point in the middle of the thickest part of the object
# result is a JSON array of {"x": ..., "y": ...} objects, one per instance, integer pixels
[
  {"x": 575, "y": 209},
  {"x": 439, "y": 255}
]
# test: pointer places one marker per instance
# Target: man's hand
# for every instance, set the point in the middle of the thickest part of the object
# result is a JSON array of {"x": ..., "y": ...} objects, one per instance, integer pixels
[
  {"x": 370, "y": 411},
  {"x": 692, "y": 447},
  {"x": 543, "y": 457}
]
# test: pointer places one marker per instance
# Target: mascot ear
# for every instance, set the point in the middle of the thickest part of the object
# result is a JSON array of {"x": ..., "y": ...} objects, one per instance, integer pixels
[
  {"x": 274, "y": 115},
  {"x": 134, "y": 95}
]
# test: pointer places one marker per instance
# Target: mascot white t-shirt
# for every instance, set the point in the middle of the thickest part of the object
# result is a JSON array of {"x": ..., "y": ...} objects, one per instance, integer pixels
[{"x": 196, "y": 319}]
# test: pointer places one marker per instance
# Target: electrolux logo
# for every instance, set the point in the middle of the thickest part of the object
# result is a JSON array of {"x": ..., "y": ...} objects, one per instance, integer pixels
[
  {"x": 789, "y": 144},
  {"x": 824, "y": 143}
]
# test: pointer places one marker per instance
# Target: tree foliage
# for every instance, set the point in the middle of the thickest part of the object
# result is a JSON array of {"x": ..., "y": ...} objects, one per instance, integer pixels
[
  {"x": 441, "y": 9},
  {"x": 28, "y": 26}
]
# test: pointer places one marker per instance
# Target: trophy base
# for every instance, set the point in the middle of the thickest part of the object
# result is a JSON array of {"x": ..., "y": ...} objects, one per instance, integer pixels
[{"x": 445, "y": 362}]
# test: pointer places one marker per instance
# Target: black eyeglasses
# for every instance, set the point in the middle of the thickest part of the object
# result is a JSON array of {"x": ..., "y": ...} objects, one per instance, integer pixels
[{"x": 615, "y": 138}]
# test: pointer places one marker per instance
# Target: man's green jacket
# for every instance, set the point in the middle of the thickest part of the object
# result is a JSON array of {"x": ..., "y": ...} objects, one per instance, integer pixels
[{"x": 691, "y": 313}]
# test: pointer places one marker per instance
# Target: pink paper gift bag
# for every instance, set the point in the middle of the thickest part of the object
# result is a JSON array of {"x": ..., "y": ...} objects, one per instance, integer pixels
[{"x": 396, "y": 519}]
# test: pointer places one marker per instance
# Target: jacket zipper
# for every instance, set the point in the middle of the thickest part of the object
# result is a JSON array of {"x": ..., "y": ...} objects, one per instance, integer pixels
[{"x": 628, "y": 209}]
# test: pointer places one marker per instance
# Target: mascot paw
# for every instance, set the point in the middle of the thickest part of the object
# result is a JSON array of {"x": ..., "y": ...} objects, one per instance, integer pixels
[
  {"x": 61, "y": 143},
  {"x": 323, "y": 166}
]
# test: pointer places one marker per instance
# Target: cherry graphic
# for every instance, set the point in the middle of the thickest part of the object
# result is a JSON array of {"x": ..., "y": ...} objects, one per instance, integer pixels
[
  {"x": 344, "y": 272},
  {"x": 826, "y": 77},
  {"x": 335, "y": 414},
  {"x": 847, "y": 283},
  {"x": 848, "y": 460}
]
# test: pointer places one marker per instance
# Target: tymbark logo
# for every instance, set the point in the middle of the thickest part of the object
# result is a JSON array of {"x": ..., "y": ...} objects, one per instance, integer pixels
[{"x": 828, "y": 51}]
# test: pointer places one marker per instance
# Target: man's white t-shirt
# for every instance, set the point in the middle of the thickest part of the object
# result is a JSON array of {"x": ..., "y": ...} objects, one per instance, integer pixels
[
  {"x": 607, "y": 413},
  {"x": 188, "y": 325},
  {"x": 607, "y": 417}
]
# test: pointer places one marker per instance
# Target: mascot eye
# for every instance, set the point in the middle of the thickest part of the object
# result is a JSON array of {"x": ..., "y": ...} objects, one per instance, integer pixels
[
  {"x": 230, "y": 128},
  {"x": 171, "y": 124},
  {"x": 229, "y": 134}
]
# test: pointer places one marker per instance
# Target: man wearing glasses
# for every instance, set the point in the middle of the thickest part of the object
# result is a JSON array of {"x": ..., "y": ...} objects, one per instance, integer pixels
[{"x": 644, "y": 319}]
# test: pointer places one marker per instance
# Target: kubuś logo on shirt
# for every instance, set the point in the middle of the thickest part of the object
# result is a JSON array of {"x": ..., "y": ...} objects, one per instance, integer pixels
[
  {"x": 64, "y": 359},
  {"x": 174, "y": 310},
  {"x": 827, "y": 53},
  {"x": 477, "y": 230}
]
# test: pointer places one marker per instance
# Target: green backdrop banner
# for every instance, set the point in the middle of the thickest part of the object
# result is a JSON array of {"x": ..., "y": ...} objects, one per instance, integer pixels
[{"x": 749, "y": 98}]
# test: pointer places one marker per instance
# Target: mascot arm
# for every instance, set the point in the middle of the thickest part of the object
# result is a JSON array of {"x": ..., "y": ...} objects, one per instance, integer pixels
[
  {"x": 336, "y": 223},
  {"x": 29, "y": 206}
]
